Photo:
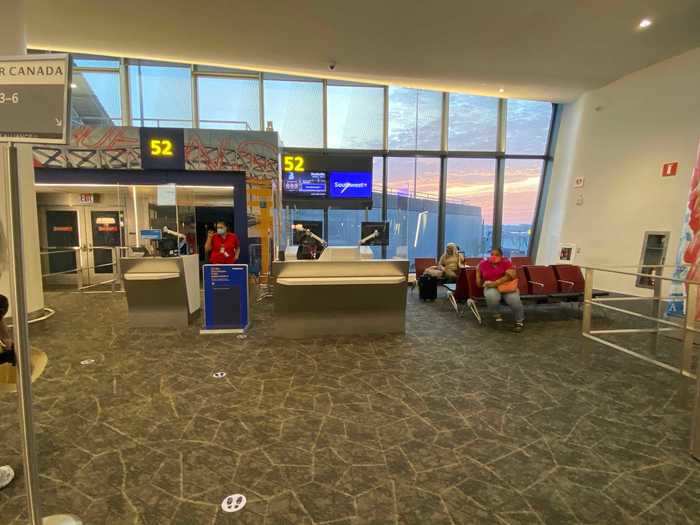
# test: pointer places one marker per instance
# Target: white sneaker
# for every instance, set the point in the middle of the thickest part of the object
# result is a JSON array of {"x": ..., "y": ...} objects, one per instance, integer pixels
[{"x": 6, "y": 476}]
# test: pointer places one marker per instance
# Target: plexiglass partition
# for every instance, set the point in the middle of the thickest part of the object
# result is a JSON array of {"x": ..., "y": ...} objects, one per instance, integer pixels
[{"x": 341, "y": 226}]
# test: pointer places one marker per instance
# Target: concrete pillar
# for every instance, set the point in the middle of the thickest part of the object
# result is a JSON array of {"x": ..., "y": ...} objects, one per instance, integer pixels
[{"x": 12, "y": 42}]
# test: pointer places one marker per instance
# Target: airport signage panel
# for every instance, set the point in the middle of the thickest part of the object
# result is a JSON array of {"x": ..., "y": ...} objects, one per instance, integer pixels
[
  {"x": 225, "y": 298},
  {"x": 34, "y": 99},
  {"x": 162, "y": 148},
  {"x": 350, "y": 185}
]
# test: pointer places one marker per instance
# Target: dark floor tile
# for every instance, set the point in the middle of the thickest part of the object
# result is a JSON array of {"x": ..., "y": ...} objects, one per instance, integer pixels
[
  {"x": 324, "y": 503},
  {"x": 448, "y": 423}
]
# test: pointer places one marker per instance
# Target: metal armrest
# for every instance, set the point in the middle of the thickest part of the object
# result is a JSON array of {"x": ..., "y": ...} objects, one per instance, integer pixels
[
  {"x": 570, "y": 283},
  {"x": 541, "y": 285}
]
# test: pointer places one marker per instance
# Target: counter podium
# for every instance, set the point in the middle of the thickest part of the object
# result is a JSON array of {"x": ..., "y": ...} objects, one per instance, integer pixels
[
  {"x": 161, "y": 291},
  {"x": 339, "y": 297}
]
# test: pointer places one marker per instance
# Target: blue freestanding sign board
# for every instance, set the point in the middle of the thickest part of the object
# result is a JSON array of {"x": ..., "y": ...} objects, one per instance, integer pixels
[{"x": 225, "y": 298}]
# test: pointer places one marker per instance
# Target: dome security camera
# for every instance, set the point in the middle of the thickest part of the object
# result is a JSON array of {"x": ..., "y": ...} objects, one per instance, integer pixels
[{"x": 331, "y": 66}]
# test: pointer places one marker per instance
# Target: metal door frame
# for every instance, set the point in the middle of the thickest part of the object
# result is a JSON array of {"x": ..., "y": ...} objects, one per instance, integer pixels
[
  {"x": 91, "y": 277},
  {"x": 67, "y": 278},
  {"x": 87, "y": 276}
]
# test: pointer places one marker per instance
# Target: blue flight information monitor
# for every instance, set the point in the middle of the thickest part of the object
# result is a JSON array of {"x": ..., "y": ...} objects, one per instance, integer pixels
[
  {"x": 350, "y": 185},
  {"x": 305, "y": 184},
  {"x": 151, "y": 235}
]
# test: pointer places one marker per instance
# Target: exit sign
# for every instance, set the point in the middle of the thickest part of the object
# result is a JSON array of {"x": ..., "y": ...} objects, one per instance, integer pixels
[
  {"x": 669, "y": 169},
  {"x": 87, "y": 198}
]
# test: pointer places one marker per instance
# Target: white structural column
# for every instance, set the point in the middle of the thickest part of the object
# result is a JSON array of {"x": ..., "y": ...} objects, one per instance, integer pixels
[{"x": 12, "y": 42}]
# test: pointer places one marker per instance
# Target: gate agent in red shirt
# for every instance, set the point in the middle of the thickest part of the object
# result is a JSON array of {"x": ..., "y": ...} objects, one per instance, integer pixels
[
  {"x": 498, "y": 278},
  {"x": 222, "y": 247}
]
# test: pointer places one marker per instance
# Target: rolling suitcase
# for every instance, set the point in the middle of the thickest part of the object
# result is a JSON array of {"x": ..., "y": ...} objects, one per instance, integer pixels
[{"x": 427, "y": 287}]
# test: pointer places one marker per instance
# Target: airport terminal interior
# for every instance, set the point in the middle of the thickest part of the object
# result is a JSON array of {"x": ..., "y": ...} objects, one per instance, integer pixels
[{"x": 294, "y": 266}]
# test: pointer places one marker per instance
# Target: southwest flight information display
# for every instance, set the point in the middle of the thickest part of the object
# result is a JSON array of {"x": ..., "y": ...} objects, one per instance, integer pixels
[{"x": 306, "y": 184}]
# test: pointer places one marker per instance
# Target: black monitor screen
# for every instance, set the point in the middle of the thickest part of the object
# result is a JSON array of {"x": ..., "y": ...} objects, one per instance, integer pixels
[
  {"x": 305, "y": 184},
  {"x": 315, "y": 226},
  {"x": 382, "y": 228}
]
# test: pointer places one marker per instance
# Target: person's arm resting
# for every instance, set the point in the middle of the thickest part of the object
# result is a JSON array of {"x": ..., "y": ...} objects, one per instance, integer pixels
[
  {"x": 479, "y": 281},
  {"x": 508, "y": 276},
  {"x": 5, "y": 335}
]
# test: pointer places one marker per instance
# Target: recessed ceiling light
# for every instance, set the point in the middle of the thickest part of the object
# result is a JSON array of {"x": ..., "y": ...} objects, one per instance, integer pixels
[
  {"x": 644, "y": 23},
  {"x": 74, "y": 86},
  {"x": 501, "y": 90}
]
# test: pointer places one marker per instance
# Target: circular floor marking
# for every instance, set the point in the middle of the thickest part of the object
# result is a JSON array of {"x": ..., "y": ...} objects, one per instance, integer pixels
[
  {"x": 233, "y": 503},
  {"x": 87, "y": 362},
  {"x": 219, "y": 375}
]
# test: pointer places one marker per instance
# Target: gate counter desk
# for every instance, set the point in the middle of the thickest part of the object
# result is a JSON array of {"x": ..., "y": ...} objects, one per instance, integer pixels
[
  {"x": 161, "y": 292},
  {"x": 339, "y": 294}
]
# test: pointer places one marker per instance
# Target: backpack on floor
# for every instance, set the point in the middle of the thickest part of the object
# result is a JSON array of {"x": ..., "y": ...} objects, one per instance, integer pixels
[{"x": 427, "y": 287}]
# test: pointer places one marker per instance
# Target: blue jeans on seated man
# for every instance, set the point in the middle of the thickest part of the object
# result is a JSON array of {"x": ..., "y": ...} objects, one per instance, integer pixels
[{"x": 512, "y": 299}]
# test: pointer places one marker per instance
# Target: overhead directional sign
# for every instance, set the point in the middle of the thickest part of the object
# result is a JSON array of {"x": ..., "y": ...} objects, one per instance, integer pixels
[{"x": 34, "y": 98}]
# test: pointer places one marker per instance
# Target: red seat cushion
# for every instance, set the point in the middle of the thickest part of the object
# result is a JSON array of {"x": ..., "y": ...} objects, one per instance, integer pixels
[
  {"x": 522, "y": 260},
  {"x": 472, "y": 261},
  {"x": 474, "y": 291},
  {"x": 545, "y": 276},
  {"x": 462, "y": 286},
  {"x": 523, "y": 287},
  {"x": 572, "y": 274},
  {"x": 422, "y": 264}
]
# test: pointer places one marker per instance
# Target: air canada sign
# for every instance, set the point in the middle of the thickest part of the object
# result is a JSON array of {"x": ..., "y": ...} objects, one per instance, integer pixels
[
  {"x": 23, "y": 73},
  {"x": 34, "y": 98}
]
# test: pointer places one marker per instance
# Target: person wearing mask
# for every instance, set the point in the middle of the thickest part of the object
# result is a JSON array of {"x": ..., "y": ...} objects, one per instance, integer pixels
[
  {"x": 498, "y": 278},
  {"x": 449, "y": 264},
  {"x": 223, "y": 246}
]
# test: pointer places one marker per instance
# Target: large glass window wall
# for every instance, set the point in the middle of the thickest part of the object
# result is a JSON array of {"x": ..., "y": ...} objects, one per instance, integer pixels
[{"x": 478, "y": 160}]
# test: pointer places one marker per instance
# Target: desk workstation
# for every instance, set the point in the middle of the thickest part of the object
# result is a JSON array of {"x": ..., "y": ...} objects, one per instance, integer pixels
[
  {"x": 339, "y": 294},
  {"x": 161, "y": 291},
  {"x": 323, "y": 290}
]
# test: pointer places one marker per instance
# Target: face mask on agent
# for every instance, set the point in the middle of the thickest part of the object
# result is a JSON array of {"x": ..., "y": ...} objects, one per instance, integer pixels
[{"x": 221, "y": 231}]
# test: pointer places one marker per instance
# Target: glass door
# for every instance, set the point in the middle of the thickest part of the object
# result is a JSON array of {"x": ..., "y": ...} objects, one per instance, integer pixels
[
  {"x": 60, "y": 246},
  {"x": 104, "y": 234}
]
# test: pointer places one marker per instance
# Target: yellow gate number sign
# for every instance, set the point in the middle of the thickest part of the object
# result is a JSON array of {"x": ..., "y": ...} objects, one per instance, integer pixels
[
  {"x": 161, "y": 147},
  {"x": 293, "y": 163}
]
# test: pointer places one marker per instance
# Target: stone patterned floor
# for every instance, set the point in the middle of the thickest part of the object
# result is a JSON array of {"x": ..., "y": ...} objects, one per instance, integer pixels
[{"x": 449, "y": 424}]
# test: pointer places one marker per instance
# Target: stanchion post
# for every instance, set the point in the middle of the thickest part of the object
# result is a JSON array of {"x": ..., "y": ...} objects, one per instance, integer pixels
[
  {"x": 21, "y": 339},
  {"x": 695, "y": 433},
  {"x": 689, "y": 334},
  {"x": 118, "y": 267},
  {"x": 78, "y": 268},
  {"x": 587, "y": 302},
  {"x": 114, "y": 269},
  {"x": 695, "y": 429},
  {"x": 658, "y": 307}
]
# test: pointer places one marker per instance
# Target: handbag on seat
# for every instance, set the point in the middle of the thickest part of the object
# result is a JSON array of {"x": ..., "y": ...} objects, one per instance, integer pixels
[{"x": 508, "y": 287}]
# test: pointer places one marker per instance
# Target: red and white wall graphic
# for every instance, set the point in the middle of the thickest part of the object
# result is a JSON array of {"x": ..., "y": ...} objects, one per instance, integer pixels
[
  {"x": 688, "y": 257},
  {"x": 119, "y": 148}
]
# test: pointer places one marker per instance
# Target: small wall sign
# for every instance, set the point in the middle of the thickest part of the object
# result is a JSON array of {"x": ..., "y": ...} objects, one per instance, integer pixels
[{"x": 669, "y": 169}]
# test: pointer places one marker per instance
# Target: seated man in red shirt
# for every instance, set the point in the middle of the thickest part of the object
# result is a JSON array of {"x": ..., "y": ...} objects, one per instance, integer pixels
[
  {"x": 498, "y": 278},
  {"x": 222, "y": 247}
]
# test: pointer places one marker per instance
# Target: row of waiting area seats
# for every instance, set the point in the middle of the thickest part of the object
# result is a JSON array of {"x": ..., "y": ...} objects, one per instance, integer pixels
[{"x": 537, "y": 284}]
